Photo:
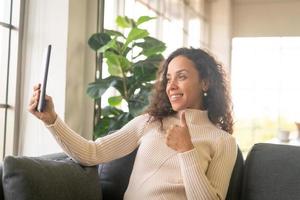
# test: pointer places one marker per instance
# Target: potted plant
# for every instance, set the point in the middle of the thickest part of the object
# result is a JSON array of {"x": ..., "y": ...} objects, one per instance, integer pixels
[{"x": 132, "y": 59}]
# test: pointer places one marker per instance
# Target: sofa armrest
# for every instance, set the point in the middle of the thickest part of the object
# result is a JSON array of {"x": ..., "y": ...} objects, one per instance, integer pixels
[
  {"x": 49, "y": 177},
  {"x": 272, "y": 173}
]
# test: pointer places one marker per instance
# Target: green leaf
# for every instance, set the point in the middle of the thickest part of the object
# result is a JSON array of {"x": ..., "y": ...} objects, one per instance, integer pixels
[
  {"x": 118, "y": 48},
  {"x": 136, "y": 34},
  {"x": 132, "y": 85},
  {"x": 155, "y": 59},
  {"x": 115, "y": 124},
  {"x": 125, "y": 64},
  {"x": 110, "y": 111},
  {"x": 115, "y": 100},
  {"x": 124, "y": 118},
  {"x": 151, "y": 46},
  {"x": 122, "y": 50},
  {"x": 125, "y": 22},
  {"x": 126, "y": 51},
  {"x": 108, "y": 122},
  {"x": 96, "y": 89},
  {"x": 143, "y": 19},
  {"x": 98, "y": 40},
  {"x": 116, "y": 63},
  {"x": 110, "y": 45},
  {"x": 102, "y": 127},
  {"x": 139, "y": 102},
  {"x": 113, "y": 62},
  {"x": 114, "y": 33},
  {"x": 144, "y": 71},
  {"x": 111, "y": 123}
]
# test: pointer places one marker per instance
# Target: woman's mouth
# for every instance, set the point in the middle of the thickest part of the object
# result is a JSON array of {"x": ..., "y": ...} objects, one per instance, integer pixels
[{"x": 175, "y": 97}]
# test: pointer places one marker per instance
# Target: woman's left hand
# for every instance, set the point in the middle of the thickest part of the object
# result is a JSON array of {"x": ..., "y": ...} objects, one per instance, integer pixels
[{"x": 178, "y": 136}]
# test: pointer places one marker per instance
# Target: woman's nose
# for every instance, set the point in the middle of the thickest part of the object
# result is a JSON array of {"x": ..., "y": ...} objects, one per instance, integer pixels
[{"x": 173, "y": 84}]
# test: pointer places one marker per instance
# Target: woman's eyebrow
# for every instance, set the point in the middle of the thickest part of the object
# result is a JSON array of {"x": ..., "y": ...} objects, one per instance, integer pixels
[
  {"x": 181, "y": 70},
  {"x": 178, "y": 72}
]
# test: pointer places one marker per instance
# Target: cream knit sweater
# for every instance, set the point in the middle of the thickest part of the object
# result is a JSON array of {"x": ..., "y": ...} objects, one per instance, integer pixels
[{"x": 159, "y": 172}]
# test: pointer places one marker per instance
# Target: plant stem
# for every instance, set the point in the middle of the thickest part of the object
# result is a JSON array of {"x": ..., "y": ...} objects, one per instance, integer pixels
[{"x": 125, "y": 85}]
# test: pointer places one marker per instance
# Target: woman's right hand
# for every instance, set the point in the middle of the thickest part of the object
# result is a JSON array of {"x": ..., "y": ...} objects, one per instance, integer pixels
[{"x": 48, "y": 116}]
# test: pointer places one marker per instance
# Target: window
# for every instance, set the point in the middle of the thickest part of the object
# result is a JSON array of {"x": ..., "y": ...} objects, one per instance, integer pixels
[
  {"x": 9, "y": 51},
  {"x": 265, "y": 86}
]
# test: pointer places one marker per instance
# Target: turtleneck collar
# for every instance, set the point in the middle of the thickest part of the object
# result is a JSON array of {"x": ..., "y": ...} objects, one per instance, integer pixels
[{"x": 195, "y": 116}]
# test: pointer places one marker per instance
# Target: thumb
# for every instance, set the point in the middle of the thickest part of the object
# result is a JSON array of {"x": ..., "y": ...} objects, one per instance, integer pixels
[{"x": 182, "y": 119}]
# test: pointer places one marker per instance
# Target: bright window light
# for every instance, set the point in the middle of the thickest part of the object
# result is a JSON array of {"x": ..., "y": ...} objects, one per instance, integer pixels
[{"x": 265, "y": 87}]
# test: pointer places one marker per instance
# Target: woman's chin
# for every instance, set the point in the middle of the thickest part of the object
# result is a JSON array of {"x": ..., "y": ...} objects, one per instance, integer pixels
[{"x": 178, "y": 108}]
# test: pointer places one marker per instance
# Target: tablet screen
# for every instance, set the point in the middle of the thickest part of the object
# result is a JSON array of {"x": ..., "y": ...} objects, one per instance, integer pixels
[{"x": 45, "y": 68}]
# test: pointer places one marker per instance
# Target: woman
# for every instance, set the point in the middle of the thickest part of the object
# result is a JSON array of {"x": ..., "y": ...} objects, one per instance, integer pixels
[{"x": 185, "y": 147}]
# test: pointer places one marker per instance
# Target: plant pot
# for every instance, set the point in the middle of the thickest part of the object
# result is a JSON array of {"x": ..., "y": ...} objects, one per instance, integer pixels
[{"x": 284, "y": 135}]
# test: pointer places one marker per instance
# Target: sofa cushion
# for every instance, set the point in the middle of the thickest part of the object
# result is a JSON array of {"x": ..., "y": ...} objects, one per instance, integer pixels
[
  {"x": 272, "y": 173},
  {"x": 1, "y": 186},
  {"x": 38, "y": 178},
  {"x": 115, "y": 176},
  {"x": 235, "y": 186}
]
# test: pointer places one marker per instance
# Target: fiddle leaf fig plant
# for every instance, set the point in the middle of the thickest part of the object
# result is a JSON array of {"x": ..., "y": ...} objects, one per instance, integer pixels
[{"x": 132, "y": 57}]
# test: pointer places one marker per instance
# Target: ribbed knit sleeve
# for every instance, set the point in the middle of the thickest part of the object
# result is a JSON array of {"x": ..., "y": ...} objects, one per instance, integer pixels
[
  {"x": 213, "y": 183},
  {"x": 104, "y": 149}
]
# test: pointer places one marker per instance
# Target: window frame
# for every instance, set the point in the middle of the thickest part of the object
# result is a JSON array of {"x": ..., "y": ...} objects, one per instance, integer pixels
[{"x": 10, "y": 106}]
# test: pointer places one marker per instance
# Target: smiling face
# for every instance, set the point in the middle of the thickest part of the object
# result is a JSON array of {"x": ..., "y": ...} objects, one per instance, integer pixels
[{"x": 184, "y": 86}]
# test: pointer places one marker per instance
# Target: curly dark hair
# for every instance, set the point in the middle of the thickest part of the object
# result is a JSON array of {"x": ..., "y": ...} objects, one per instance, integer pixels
[{"x": 218, "y": 100}]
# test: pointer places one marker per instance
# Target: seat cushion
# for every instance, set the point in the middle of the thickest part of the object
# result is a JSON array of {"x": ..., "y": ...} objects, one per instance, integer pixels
[
  {"x": 272, "y": 172},
  {"x": 38, "y": 178}
]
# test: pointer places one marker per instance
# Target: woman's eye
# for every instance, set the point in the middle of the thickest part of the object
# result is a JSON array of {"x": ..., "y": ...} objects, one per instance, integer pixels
[{"x": 182, "y": 77}]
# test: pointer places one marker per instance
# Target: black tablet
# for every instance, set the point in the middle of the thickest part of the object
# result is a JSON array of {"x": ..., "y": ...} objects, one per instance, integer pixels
[{"x": 45, "y": 67}]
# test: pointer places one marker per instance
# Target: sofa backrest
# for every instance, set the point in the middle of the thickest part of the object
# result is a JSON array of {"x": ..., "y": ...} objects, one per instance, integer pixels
[
  {"x": 272, "y": 172},
  {"x": 1, "y": 185},
  {"x": 114, "y": 176},
  {"x": 236, "y": 180}
]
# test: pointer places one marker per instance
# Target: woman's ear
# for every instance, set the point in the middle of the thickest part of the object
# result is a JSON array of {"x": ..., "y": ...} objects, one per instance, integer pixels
[{"x": 205, "y": 85}]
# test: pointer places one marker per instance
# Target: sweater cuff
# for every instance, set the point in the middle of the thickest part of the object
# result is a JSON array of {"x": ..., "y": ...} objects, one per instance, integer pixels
[
  {"x": 189, "y": 158},
  {"x": 55, "y": 124}
]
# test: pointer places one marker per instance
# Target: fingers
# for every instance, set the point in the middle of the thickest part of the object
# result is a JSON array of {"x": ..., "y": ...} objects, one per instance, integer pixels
[
  {"x": 168, "y": 136},
  {"x": 49, "y": 103},
  {"x": 182, "y": 119},
  {"x": 170, "y": 142},
  {"x": 182, "y": 122},
  {"x": 48, "y": 115},
  {"x": 37, "y": 86},
  {"x": 32, "y": 106},
  {"x": 48, "y": 98},
  {"x": 33, "y": 102},
  {"x": 36, "y": 94},
  {"x": 178, "y": 137}
]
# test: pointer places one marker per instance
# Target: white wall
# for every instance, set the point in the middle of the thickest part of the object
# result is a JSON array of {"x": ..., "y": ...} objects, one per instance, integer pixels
[
  {"x": 80, "y": 66},
  {"x": 42, "y": 27},
  {"x": 220, "y": 30},
  {"x": 252, "y": 18}
]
